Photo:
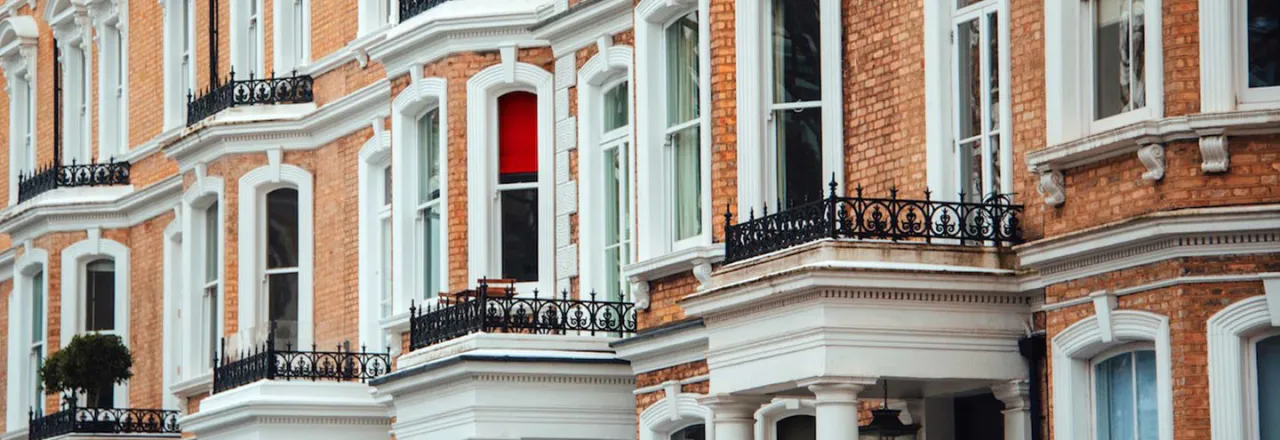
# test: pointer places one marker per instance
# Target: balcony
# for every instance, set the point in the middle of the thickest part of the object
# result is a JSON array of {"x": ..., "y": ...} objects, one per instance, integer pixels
[
  {"x": 411, "y": 8},
  {"x": 489, "y": 309},
  {"x": 268, "y": 362},
  {"x": 992, "y": 222},
  {"x": 293, "y": 89},
  {"x": 73, "y": 419},
  {"x": 55, "y": 176}
]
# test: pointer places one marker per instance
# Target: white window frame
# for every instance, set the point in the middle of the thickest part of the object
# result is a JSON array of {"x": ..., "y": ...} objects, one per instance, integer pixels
[
  {"x": 757, "y": 183},
  {"x": 179, "y": 60},
  {"x": 654, "y": 208},
  {"x": 113, "y": 83},
  {"x": 75, "y": 259},
  {"x": 1249, "y": 97},
  {"x": 420, "y": 229},
  {"x": 375, "y": 157},
  {"x": 1069, "y": 71},
  {"x": 19, "y": 391},
  {"x": 942, "y": 114},
  {"x": 377, "y": 14},
  {"x": 203, "y": 193},
  {"x": 423, "y": 95},
  {"x": 18, "y": 43},
  {"x": 483, "y": 90},
  {"x": 1251, "y": 391},
  {"x": 72, "y": 31},
  {"x": 598, "y": 75},
  {"x": 772, "y": 166},
  {"x": 291, "y": 35},
  {"x": 1232, "y": 336},
  {"x": 1074, "y": 350},
  {"x": 1126, "y": 349},
  {"x": 172, "y": 297},
  {"x": 251, "y": 213},
  {"x": 247, "y": 46}
]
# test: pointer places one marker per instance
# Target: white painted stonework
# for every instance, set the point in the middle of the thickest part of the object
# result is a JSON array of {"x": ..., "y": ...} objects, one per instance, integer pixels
[{"x": 278, "y": 410}]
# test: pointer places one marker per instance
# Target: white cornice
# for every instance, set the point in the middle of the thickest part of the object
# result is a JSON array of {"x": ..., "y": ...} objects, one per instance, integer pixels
[
  {"x": 581, "y": 26},
  {"x": 667, "y": 350},
  {"x": 1151, "y": 238},
  {"x": 458, "y": 26},
  {"x": 78, "y": 209},
  {"x": 328, "y": 123}
]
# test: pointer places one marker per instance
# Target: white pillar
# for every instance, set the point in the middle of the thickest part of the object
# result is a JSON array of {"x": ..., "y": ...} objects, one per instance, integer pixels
[
  {"x": 836, "y": 405},
  {"x": 734, "y": 416},
  {"x": 1016, "y": 396}
]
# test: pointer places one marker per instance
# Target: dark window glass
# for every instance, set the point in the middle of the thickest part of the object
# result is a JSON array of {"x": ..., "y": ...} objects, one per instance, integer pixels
[
  {"x": 800, "y": 153},
  {"x": 796, "y": 27},
  {"x": 1269, "y": 387},
  {"x": 695, "y": 432},
  {"x": 283, "y": 307},
  {"x": 1264, "y": 44},
  {"x": 282, "y": 228},
  {"x": 100, "y": 304},
  {"x": 104, "y": 397},
  {"x": 520, "y": 234},
  {"x": 798, "y": 428}
]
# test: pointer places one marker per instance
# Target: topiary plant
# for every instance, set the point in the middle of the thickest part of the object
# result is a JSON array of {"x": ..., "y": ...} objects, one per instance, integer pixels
[{"x": 88, "y": 363}]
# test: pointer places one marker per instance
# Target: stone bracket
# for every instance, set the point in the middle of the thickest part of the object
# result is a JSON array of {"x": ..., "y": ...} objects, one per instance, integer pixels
[
  {"x": 1213, "y": 153},
  {"x": 1152, "y": 157},
  {"x": 1053, "y": 187}
]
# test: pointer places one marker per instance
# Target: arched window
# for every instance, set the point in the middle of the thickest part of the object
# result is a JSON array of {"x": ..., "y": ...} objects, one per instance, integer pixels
[
  {"x": 796, "y": 106},
  {"x": 798, "y": 427},
  {"x": 100, "y": 296},
  {"x": 1267, "y": 370},
  {"x": 615, "y": 142},
  {"x": 281, "y": 271},
  {"x": 1124, "y": 400},
  {"x": 691, "y": 432},
  {"x": 429, "y": 203},
  {"x": 517, "y": 250}
]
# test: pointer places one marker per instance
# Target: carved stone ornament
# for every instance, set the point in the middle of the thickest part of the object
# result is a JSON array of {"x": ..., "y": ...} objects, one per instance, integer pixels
[
  {"x": 1152, "y": 157},
  {"x": 640, "y": 293},
  {"x": 1213, "y": 153},
  {"x": 1053, "y": 187}
]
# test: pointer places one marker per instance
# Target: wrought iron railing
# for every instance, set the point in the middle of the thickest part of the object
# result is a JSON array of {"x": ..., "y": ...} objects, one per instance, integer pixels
[
  {"x": 994, "y": 220},
  {"x": 410, "y": 8},
  {"x": 267, "y": 362},
  {"x": 54, "y": 176},
  {"x": 493, "y": 310},
  {"x": 233, "y": 92},
  {"x": 73, "y": 419}
]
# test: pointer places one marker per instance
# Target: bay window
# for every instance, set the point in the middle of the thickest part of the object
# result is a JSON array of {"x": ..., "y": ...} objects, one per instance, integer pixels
[
  {"x": 683, "y": 156},
  {"x": 517, "y": 255},
  {"x": 795, "y": 112},
  {"x": 1118, "y": 42},
  {"x": 1124, "y": 396},
  {"x": 1259, "y": 71},
  {"x": 281, "y": 272},
  {"x": 429, "y": 204}
]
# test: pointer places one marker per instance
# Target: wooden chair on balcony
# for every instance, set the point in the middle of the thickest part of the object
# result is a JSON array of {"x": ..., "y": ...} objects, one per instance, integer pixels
[{"x": 495, "y": 288}]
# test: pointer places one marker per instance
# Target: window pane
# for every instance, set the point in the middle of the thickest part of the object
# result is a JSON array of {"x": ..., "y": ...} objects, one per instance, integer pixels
[
  {"x": 518, "y": 137},
  {"x": 282, "y": 228},
  {"x": 993, "y": 69},
  {"x": 433, "y": 280},
  {"x": 103, "y": 397},
  {"x": 283, "y": 307},
  {"x": 37, "y": 307},
  {"x": 211, "y": 226},
  {"x": 614, "y": 206},
  {"x": 1269, "y": 388},
  {"x": 682, "y": 70},
  {"x": 971, "y": 170},
  {"x": 695, "y": 432},
  {"x": 969, "y": 105},
  {"x": 520, "y": 234},
  {"x": 1264, "y": 44},
  {"x": 799, "y": 144},
  {"x": 428, "y": 156},
  {"x": 386, "y": 186},
  {"x": 616, "y": 108},
  {"x": 1113, "y": 381},
  {"x": 100, "y": 297},
  {"x": 1118, "y": 57},
  {"x": 796, "y": 28},
  {"x": 687, "y": 183},
  {"x": 211, "y": 321},
  {"x": 797, "y": 428},
  {"x": 37, "y": 386},
  {"x": 384, "y": 267},
  {"x": 1148, "y": 425}
]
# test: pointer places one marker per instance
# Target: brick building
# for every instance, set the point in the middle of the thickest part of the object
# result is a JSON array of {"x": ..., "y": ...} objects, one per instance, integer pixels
[{"x": 652, "y": 219}]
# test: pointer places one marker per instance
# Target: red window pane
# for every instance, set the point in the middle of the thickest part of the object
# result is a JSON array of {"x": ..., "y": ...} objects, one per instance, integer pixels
[{"x": 517, "y": 137}]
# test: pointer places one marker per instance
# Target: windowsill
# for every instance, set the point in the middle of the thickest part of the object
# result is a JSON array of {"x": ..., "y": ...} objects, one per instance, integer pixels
[
  {"x": 1129, "y": 138},
  {"x": 256, "y": 113},
  {"x": 202, "y": 384},
  {"x": 674, "y": 262},
  {"x": 398, "y": 323}
]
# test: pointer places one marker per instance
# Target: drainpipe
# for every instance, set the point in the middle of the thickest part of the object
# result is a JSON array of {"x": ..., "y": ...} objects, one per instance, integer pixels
[{"x": 1033, "y": 349}]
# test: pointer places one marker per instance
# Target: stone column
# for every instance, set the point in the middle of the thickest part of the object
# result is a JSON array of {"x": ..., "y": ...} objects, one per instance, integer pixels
[
  {"x": 734, "y": 416},
  {"x": 1016, "y": 396},
  {"x": 836, "y": 405}
]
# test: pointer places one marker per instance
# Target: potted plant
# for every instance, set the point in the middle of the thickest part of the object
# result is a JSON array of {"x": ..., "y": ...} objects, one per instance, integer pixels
[{"x": 89, "y": 363}]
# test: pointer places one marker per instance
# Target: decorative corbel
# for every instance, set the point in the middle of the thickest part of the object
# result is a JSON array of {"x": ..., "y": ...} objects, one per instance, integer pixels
[
  {"x": 362, "y": 56},
  {"x": 275, "y": 157},
  {"x": 1053, "y": 187},
  {"x": 1152, "y": 157},
  {"x": 640, "y": 293},
  {"x": 508, "y": 53},
  {"x": 1104, "y": 301},
  {"x": 702, "y": 271},
  {"x": 1213, "y": 152}
]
